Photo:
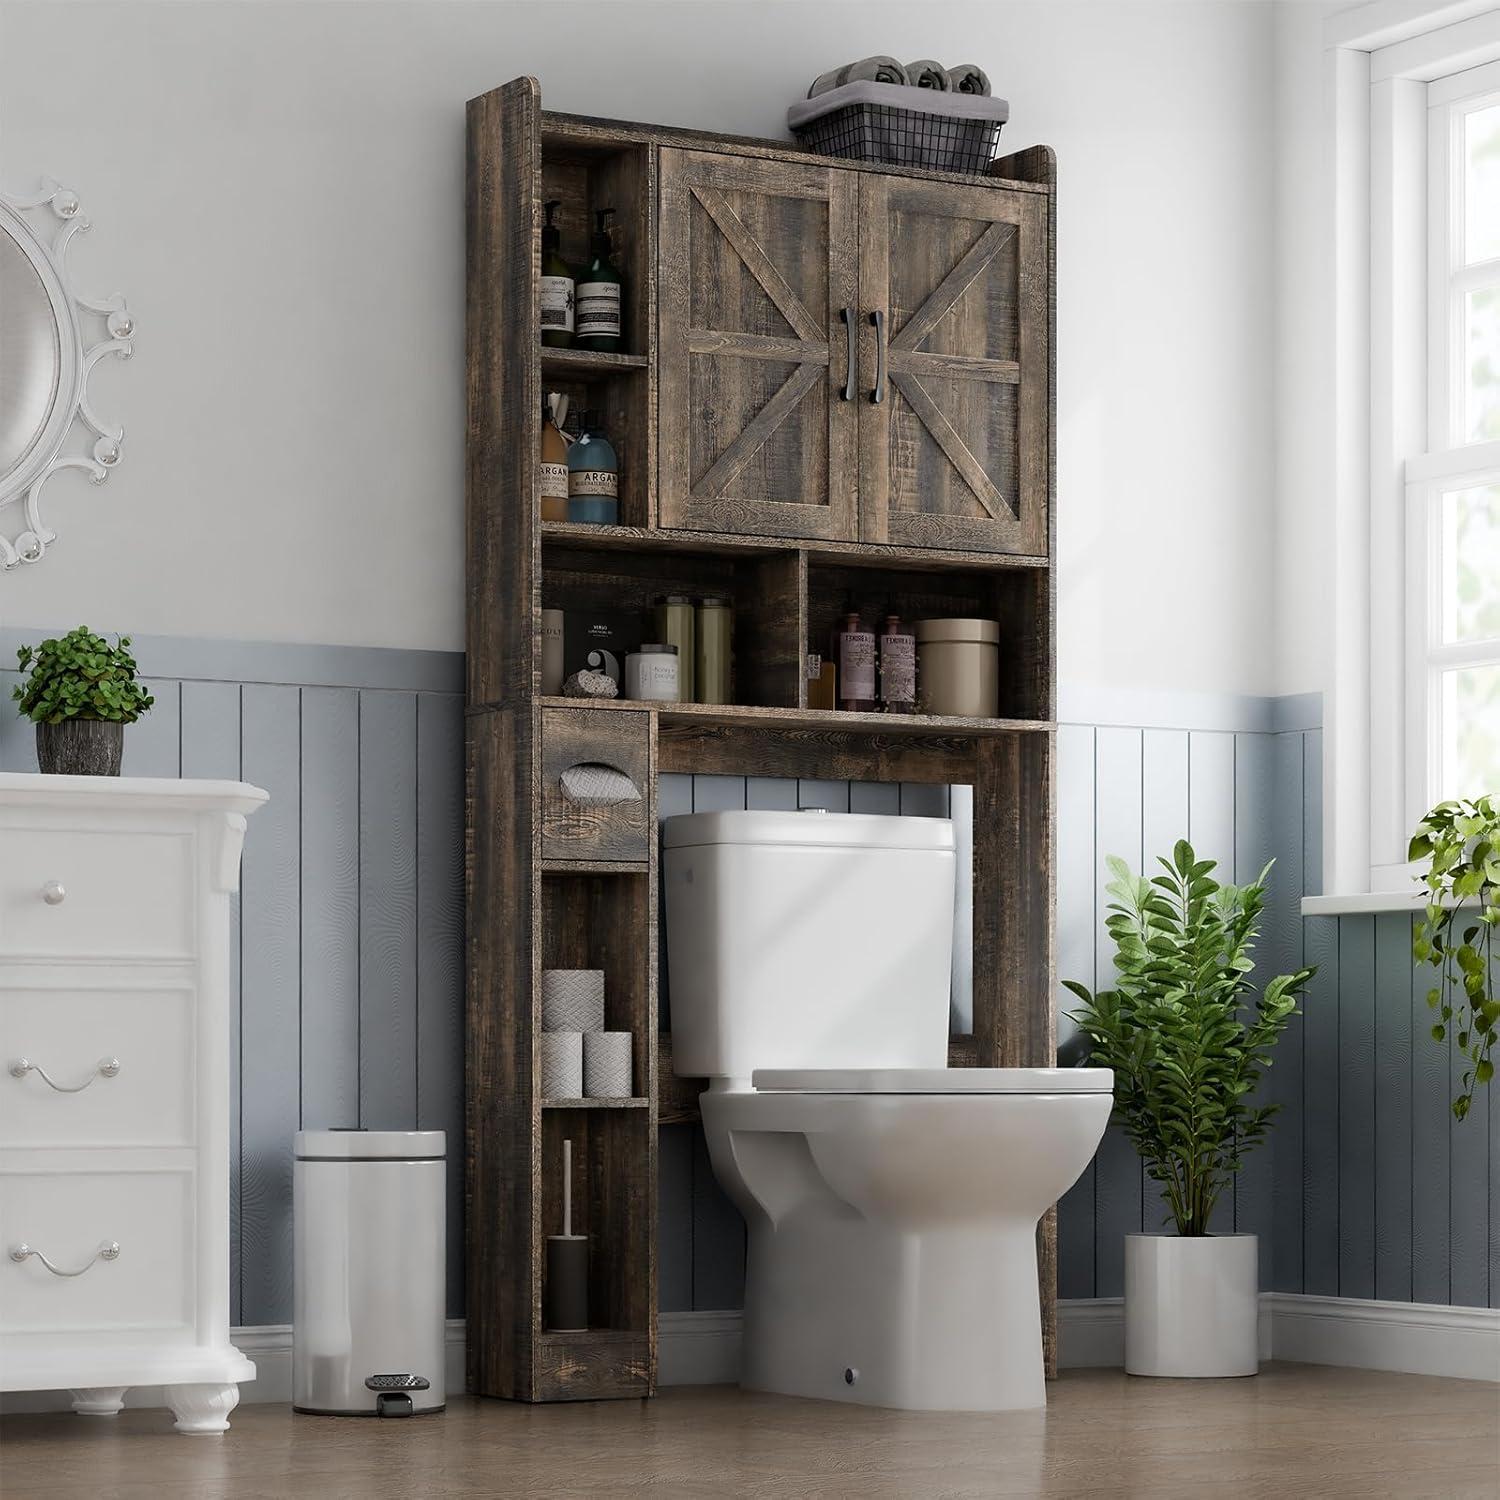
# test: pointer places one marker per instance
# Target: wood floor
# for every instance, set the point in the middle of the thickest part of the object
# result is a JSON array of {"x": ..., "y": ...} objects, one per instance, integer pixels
[{"x": 1296, "y": 1430}]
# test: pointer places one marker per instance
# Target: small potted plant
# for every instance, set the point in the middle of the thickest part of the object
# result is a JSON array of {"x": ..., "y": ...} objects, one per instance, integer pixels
[
  {"x": 1189, "y": 1041},
  {"x": 81, "y": 693},
  {"x": 1457, "y": 934}
]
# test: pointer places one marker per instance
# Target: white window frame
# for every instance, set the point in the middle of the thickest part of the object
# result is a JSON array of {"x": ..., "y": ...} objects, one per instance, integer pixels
[{"x": 1379, "y": 59}]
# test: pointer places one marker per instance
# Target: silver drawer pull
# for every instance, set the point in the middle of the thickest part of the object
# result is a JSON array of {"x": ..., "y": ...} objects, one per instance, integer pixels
[
  {"x": 54, "y": 893},
  {"x": 107, "y": 1067},
  {"x": 110, "y": 1250}
]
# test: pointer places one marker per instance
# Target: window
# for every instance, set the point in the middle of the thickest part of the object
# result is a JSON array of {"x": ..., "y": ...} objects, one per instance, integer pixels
[{"x": 1453, "y": 489}]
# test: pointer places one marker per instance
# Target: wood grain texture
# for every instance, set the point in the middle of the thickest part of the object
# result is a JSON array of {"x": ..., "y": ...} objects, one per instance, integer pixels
[
  {"x": 502, "y": 1152},
  {"x": 270, "y": 1002},
  {"x": 755, "y": 439},
  {"x": 571, "y": 830},
  {"x": 330, "y": 907},
  {"x": 504, "y": 392},
  {"x": 1296, "y": 1430}
]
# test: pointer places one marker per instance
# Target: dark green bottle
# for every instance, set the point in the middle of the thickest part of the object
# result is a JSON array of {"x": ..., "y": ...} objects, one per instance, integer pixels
[
  {"x": 600, "y": 293},
  {"x": 556, "y": 287}
]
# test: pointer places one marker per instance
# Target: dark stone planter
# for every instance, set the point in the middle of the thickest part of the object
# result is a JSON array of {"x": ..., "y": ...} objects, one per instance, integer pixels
[{"x": 80, "y": 747}]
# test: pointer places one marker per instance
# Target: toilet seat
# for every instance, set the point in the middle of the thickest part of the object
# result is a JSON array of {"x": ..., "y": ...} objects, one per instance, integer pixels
[{"x": 932, "y": 1080}]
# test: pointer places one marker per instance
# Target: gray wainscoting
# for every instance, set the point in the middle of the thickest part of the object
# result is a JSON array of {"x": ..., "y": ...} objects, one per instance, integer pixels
[
  {"x": 348, "y": 974},
  {"x": 349, "y": 957}
]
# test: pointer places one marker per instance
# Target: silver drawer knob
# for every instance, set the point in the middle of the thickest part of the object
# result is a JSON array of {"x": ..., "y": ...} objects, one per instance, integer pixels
[
  {"x": 109, "y": 1250},
  {"x": 53, "y": 893},
  {"x": 106, "y": 1067}
]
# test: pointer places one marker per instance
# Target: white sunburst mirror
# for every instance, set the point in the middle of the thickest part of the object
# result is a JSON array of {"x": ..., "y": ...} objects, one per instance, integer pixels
[{"x": 51, "y": 337}]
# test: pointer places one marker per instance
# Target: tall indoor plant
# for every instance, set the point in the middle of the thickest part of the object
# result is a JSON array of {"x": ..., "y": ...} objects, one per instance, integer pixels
[
  {"x": 1189, "y": 1040},
  {"x": 1460, "y": 840},
  {"x": 81, "y": 693}
]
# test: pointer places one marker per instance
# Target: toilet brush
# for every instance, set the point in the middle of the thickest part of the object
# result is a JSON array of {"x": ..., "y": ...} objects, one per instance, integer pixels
[{"x": 567, "y": 1264}]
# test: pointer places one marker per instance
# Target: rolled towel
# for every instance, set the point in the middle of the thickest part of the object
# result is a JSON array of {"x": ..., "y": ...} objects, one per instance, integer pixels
[
  {"x": 968, "y": 78},
  {"x": 874, "y": 69},
  {"x": 927, "y": 74}
]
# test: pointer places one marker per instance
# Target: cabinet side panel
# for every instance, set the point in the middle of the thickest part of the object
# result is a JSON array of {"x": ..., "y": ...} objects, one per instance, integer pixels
[{"x": 504, "y": 390}]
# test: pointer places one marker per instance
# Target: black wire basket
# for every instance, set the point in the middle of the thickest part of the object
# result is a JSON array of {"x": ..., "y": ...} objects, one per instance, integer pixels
[{"x": 902, "y": 126}]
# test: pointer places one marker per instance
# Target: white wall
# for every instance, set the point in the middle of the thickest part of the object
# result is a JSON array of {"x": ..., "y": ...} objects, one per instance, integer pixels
[
  {"x": 1304, "y": 539},
  {"x": 278, "y": 189}
]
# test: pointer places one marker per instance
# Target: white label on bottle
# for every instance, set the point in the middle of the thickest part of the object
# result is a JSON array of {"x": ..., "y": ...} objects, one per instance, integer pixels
[
  {"x": 554, "y": 481},
  {"x": 557, "y": 303},
  {"x": 898, "y": 668},
  {"x": 856, "y": 664},
  {"x": 594, "y": 482},
  {"x": 599, "y": 309}
]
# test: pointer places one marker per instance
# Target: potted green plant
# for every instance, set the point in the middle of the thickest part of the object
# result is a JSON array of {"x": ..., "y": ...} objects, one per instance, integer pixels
[
  {"x": 1460, "y": 840},
  {"x": 80, "y": 694},
  {"x": 1189, "y": 1041}
]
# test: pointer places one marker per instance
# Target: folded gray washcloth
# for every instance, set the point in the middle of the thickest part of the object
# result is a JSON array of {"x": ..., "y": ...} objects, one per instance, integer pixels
[
  {"x": 873, "y": 69},
  {"x": 927, "y": 74},
  {"x": 968, "y": 78}
]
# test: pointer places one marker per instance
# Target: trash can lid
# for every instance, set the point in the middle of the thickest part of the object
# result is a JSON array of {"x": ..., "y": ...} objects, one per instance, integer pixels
[{"x": 369, "y": 1145}]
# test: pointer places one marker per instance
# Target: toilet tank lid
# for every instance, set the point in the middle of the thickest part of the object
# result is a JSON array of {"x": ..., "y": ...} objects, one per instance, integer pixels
[
  {"x": 933, "y": 1080},
  {"x": 369, "y": 1145},
  {"x": 808, "y": 829}
]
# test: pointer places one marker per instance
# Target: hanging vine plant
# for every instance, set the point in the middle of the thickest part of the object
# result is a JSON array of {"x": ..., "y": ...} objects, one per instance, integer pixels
[{"x": 1460, "y": 840}]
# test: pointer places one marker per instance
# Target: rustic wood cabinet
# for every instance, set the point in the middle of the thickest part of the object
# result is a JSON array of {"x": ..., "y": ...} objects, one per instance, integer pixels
[
  {"x": 754, "y": 466},
  {"x": 852, "y": 355}
]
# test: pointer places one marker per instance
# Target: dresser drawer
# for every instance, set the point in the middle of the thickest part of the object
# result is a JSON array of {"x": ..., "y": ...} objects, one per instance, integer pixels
[
  {"x": 71, "y": 893},
  {"x": 70, "y": 1217},
  {"x": 120, "y": 1064},
  {"x": 596, "y": 785}
]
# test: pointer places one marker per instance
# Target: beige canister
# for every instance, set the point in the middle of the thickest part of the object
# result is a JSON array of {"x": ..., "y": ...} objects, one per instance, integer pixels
[{"x": 958, "y": 668}]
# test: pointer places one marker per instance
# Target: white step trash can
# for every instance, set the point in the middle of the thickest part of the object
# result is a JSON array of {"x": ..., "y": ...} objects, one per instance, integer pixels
[{"x": 370, "y": 1239}]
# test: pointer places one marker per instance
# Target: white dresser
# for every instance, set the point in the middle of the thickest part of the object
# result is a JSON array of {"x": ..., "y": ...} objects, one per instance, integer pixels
[{"x": 114, "y": 1089}]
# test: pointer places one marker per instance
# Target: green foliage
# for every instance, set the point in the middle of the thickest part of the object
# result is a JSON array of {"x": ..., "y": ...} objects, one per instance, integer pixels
[
  {"x": 1186, "y": 1035},
  {"x": 80, "y": 676},
  {"x": 1460, "y": 841}
]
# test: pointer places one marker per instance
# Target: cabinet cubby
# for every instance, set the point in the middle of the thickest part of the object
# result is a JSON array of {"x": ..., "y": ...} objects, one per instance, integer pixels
[{"x": 744, "y": 473}]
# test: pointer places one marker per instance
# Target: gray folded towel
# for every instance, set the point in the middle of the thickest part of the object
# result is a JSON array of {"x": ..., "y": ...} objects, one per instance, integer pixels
[
  {"x": 873, "y": 69},
  {"x": 927, "y": 74},
  {"x": 968, "y": 78}
]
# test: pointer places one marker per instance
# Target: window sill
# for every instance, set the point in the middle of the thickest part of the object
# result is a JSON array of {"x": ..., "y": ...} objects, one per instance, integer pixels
[{"x": 1366, "y": 901}]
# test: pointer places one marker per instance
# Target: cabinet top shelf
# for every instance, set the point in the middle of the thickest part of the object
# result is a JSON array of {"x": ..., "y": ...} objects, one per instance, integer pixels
[{"x": 584, "y": 364}]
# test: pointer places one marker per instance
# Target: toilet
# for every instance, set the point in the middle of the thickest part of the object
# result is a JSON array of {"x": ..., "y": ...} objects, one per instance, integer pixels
[{"x": 891, "y": 1203}]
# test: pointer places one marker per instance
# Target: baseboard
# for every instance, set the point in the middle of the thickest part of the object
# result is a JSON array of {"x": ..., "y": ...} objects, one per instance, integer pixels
[
  {"x": 270, "y": 1349},
  {"x": 1417, "y": 1338},
  {"x": 698, "y": 1348},
  {"x": 703, "y": 1348}
]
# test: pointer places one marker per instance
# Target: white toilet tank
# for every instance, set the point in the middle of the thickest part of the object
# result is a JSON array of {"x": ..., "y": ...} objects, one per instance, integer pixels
[{"x": 807, "y": 940}]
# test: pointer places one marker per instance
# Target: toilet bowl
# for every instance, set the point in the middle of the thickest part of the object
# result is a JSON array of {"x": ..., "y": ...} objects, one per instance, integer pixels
[{"x": 891, "y": 1203}]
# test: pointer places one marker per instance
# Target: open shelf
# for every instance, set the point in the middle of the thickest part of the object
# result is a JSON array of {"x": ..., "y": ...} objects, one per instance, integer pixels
[
  {"x": 587, "y": 364},
  {"x": 638, "y": 1103},
  {"x": 809, "y": 720}
]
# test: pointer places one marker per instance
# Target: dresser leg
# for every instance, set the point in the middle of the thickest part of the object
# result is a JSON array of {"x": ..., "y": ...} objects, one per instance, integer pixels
[
  {"x": 202, "y": 1408},
  {"x": 101, "y": 1401}
]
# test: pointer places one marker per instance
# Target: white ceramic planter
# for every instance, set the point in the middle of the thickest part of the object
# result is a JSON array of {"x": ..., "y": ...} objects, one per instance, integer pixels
[{"x": 1192, "y": 1305}]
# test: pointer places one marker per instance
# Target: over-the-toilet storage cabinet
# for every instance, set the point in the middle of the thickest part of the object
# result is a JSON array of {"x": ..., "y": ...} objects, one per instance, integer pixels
[
  {"x": 114, "y": 1089},
  {"x": 835, "y": 385}
]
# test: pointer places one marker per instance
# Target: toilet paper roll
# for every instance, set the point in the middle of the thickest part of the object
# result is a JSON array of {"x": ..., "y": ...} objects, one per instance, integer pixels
[
  {"x": 572, "y": 999},
  {"x": 606, "y": 1065},
  {"x": 562, "y": 1065}
]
